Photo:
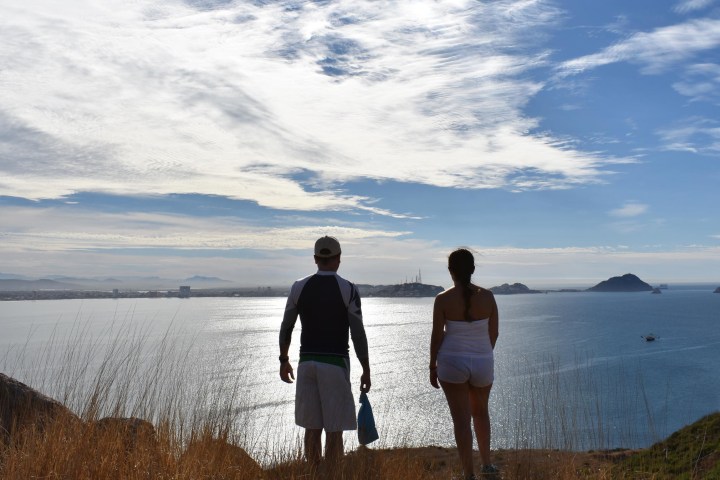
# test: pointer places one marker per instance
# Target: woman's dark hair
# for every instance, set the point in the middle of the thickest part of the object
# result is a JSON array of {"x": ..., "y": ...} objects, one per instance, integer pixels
[{"x": 461, "y": 264}]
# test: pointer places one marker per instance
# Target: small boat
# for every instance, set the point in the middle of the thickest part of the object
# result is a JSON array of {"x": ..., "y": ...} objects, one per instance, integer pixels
[{"x": 649, "y": 338}]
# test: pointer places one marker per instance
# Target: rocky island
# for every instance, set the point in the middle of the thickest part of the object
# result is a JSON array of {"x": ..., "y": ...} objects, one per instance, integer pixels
[
  {"x": 625, "y": 283},
  {"x": 413, "y": 289},
  {"x": 717, "y": 290},
  {"x": 515, "y": 288}
]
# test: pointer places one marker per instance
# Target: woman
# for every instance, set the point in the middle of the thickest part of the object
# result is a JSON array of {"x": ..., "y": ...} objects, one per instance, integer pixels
[{"x": 465, "y": 329}]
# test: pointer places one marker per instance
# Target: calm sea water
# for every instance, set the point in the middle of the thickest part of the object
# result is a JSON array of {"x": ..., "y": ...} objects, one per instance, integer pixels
[{"x": 572, "y": 369}]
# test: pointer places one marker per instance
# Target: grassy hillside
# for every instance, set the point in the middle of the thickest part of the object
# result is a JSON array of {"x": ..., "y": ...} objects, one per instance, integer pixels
[{"x": 690, "y": 453}]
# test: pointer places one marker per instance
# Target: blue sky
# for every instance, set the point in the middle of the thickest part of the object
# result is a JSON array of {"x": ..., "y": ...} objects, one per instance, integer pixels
[{"x": 564, "y": 141}]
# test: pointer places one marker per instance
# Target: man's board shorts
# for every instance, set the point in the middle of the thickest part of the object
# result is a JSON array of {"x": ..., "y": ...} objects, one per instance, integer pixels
[
  {"x": 478, "y": 370},
  {"x": 323, "y": 397}
]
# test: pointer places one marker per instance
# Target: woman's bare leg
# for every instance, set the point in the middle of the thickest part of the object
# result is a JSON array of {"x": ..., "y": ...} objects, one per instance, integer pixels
[
  {"x": 458, "y": 398},
  {"x": 479, "y": 398}
]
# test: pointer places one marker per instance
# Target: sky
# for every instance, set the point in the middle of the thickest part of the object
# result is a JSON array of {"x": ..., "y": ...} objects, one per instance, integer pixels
[{"x": 564, "y": 142}]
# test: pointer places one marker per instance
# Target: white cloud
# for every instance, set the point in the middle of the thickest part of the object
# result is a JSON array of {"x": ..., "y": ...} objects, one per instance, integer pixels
[
  {"x": 687, "y": 6},
  {"x": 696, "y": 135},
  {"x": 701, "y": 82},
  {"x": 656, "y": 51},
  {"x": 263, "y": 102},
  {"x": 586, "y": 266},
  {"x": 630, "y": 209},
  {"x": 54, "y": 229},
  {"x": 70, "y": 241},
  {"x": 66, "y": 240}
]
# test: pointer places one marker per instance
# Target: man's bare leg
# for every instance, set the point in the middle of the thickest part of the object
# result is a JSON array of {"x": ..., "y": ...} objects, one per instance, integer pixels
[
  {"x": 313, "y": 445},
  {"x": 333, "y": 447}
]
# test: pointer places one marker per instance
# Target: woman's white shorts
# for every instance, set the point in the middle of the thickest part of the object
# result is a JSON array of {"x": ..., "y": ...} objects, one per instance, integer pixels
[{"x": 478, "y": 370}]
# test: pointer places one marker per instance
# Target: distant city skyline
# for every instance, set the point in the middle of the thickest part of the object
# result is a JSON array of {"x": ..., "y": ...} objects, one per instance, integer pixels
[{"x": 563, "y": 142}]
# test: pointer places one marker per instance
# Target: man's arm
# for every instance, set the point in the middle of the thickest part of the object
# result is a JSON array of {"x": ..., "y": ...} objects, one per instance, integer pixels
[{"x": 359, "y": 339}]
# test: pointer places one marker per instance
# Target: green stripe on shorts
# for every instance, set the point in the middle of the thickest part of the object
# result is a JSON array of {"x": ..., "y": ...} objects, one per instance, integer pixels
[{"x": 331, "y": 359}]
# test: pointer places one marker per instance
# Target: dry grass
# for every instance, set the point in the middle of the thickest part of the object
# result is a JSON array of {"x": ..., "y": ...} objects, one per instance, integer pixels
[
  {"x": 80, "y": 452},
  {"x": 194, "y": 434}
]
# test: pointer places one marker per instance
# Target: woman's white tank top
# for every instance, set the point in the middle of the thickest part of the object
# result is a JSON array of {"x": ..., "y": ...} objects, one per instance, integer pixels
[{"x": 466, "y": 338}]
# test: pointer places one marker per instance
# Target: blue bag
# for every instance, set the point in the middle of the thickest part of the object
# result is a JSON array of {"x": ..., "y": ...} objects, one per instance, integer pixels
[{"x": 367, "y": 433}]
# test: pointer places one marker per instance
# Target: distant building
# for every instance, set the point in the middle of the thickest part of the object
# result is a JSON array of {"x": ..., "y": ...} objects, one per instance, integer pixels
[
  {"x": 184, "y": 291},
  {"x": 116, "y": 293}
]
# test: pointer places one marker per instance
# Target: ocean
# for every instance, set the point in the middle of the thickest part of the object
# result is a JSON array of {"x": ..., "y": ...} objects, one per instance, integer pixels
[{"x": 573, "y": 370}]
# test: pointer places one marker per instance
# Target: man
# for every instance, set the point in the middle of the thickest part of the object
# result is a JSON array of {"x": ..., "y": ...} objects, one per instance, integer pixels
[{"x": 329, "y": 307}]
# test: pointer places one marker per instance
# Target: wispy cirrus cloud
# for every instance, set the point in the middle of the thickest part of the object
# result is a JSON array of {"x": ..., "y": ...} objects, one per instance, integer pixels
[
  {"x": 654, "y": 51},
  {"x": 695, "y": 135},
  {"x": 75, "y": 241},
  {"x": 701, "y": 82},
  {"x": 278, "y": 103},
  {"x": 687, "y": 6},
  {"x": 59, "y": 229}
]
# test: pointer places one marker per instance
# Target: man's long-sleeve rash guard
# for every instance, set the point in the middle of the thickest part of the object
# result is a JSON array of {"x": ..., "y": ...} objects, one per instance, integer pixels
[{"x": 329, "y": 307}]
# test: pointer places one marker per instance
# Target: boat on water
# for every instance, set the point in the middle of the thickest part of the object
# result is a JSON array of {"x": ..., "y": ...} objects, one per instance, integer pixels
[{"x": 649, "y": 338}]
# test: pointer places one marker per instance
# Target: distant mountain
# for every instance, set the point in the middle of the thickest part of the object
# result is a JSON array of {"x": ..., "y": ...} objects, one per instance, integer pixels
[
  {"x": 9, "y": 285},
  {"x": 513, "y": 289},
  {"x": 84, "y": 281},
  {"x": 625, "y": 283},
  {"x": 11, "y": 282},
  {"x": 12, "y": 276},
  {"x": 65, "y": 278},
  {"x": 200, "y": 278}
]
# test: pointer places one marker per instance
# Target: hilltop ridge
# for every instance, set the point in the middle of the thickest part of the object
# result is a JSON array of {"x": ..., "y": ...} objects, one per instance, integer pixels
[{"x": 625, "y": 283}]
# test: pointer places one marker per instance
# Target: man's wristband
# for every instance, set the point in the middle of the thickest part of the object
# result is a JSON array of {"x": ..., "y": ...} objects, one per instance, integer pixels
[{"x": 283, "y": 358}]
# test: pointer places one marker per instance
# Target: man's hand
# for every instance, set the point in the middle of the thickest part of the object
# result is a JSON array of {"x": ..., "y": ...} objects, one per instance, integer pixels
[
  {"x": 365, "y": 382},
  {"x": 286, "y": 372}
]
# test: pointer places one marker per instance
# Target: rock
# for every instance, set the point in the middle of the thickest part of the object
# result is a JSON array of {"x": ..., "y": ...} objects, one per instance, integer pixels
[
  {"x": 626, "y": 283},
  {"x": 401, "y": 290},
  {"x": 515, "y": 288},
  {"x": 130, "y": 444},
  {"x": 132, "y": 432},
  {"x": 207, "y": 455},
  {"x": 717, "y": 290},
  {"x": 22, "y": 406}
]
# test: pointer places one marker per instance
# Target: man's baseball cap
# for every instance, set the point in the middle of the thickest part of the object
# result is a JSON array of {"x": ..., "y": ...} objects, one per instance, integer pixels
[{"x": 326, "y": 247}]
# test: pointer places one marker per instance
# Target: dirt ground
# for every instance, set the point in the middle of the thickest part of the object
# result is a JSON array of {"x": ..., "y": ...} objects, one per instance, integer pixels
[{"x": 441, "y": 462}]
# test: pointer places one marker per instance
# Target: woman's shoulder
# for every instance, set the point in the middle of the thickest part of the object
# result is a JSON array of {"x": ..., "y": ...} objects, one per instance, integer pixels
[
  {"x": 445, "y": 294},
  {"x": 483, "y": 291}
]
